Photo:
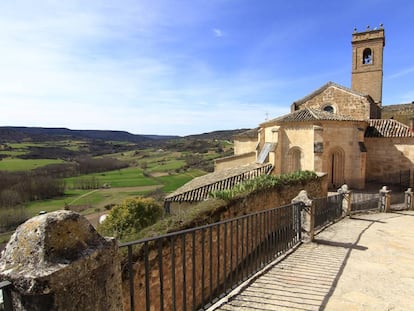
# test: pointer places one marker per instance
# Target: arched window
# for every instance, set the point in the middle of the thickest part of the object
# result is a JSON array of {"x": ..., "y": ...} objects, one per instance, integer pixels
[
  {"x": 367, "y": 56},
  {"x": 336, "y": 171},
  {"x": 294, "y": 160}
]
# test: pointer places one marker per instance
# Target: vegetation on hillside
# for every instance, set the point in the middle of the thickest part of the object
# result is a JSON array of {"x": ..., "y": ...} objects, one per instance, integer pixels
[
  {"x": 130, "y": 217},
  {"x": 90, "y": 176},
  {"x": 262, "y": 183}
]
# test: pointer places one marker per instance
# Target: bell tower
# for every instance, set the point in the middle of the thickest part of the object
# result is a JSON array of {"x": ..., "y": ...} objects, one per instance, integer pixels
[{"x": 367, "y": 62}]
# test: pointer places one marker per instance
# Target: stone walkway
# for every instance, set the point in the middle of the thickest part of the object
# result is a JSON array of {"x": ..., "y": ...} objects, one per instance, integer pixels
[{"x": 363, "y": 263}]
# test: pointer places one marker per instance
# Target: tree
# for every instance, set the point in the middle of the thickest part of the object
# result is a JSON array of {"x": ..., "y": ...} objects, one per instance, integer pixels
[{"x": 131, "y": 216}]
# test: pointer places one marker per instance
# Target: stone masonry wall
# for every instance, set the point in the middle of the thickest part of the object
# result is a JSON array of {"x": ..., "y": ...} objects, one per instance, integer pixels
[
  {"x": 245, "y": 145},
  {"x": 386, "y": 157},
  {"x": 234, "y": 161},
  {"x": 57, "y": 261},
  {"x": 343, "y": 102},
  {"x": 199, "y": 242}
]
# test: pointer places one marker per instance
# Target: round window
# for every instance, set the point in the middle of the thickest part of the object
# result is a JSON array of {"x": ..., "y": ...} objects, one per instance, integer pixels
[{"x": 329, "y": 108}]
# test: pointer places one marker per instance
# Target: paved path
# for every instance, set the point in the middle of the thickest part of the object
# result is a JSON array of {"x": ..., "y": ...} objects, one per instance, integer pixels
[{"x": 363, "y": 263}]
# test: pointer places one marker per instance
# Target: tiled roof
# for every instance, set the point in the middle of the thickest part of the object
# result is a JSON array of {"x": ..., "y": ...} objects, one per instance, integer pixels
[
  {"x": 310, "y": 114},
  {"x": 323, "y": 88},
  {"x": 387, "y": 128},
  {"x": 200, "y": 187}
]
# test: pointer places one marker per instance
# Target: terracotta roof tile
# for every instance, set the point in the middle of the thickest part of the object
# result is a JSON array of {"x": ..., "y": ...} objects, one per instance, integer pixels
[
  {"x": 387, "y": 128},
  {"x": 309, "y": 114},
  {"x": 199, "y": 188}
]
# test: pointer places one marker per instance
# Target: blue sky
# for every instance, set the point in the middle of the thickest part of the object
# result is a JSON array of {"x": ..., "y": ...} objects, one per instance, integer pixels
[{"x": 185, "y": 67}]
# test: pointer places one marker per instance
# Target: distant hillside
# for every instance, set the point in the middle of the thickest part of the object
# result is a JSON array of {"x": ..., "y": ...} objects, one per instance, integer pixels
[
  {"x": 219, "y": 135},
  {"x": 17, "y": 134},
  {"x": 39, "y": 134}
]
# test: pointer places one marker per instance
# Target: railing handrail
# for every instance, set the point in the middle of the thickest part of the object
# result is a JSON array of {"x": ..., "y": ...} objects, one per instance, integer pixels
[
  {"x": 180, "y": 232},
  {"x": 227, "y": 252}
]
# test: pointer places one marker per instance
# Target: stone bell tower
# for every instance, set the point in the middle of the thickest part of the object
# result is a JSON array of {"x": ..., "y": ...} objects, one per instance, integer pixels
[{"x": 367, "y": 62}]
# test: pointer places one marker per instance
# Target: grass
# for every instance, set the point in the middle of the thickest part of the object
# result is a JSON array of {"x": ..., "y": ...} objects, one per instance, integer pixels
[
  {"x": 95, "y": 199},
  {"x": 12, "y": 153},
  {"x": 98, "y": 198},
  {"x": 172, "y": 182},
  {"x": 14, "y": 164},
  {"x": 127, "y": 177},
  {"x": 165, "y": 166}
]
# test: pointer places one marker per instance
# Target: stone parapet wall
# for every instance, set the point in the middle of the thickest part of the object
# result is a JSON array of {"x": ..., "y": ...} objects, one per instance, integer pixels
[{"x": 58, "y": 261}]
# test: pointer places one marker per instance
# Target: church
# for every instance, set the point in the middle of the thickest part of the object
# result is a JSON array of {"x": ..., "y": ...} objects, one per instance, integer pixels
[{"x": 343, "y": 132}]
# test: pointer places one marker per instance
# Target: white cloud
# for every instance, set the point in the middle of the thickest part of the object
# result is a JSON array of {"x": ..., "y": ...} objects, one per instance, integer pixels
[
  {"x": 401, "y": 73},
  {"x": 218, "y": 32}
]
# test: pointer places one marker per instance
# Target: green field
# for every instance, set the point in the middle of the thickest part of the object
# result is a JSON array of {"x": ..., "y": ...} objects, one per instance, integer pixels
[
  {"x": 127, "y": 177},
  {"x": 97, "y": 199},
  {"x": 89, "y": 201},
  {"x": 172, "y": 182},
  {"x": 152, "y": 171},
  {"x": 15, "y": 164}
]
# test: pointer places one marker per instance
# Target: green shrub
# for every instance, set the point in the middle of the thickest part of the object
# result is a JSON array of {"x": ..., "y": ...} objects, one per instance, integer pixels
[
  {"x": 262, "y": 183},
  {"x": 130, "y": 217}
]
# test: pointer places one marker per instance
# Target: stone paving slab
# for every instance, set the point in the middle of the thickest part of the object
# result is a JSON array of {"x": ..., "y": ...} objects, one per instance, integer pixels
[{"x": 362, "y": 263}]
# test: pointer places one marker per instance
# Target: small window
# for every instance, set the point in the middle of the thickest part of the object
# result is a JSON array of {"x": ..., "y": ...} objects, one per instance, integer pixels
[
  {"x": 329, "y": 108},
  {"x": 367, "y": 57}
]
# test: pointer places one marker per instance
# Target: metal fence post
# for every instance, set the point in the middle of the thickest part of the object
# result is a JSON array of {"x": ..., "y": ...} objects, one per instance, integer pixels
[
  {"x": 308, "y": 213},
  {"x": 346, "y": 199},
  {"x": 385, "y": 199},
  {"x": 408, "y": 201}
]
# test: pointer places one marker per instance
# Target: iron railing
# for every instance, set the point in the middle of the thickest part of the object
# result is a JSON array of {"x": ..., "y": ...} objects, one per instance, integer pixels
[
  {"x": 5, "y": 296},
  {"x": 364, "y": 202},
  {"x": 192, "y": 269},
  {"x": 405, "y": 178},
  {"x": 327, "y": 210}
]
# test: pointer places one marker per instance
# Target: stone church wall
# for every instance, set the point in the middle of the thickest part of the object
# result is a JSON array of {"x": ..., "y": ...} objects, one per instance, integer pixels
[
  {"x": 387, "y": 157},
  {"x": 338, "y": 137},
  {"x": 245, "y": 145},
  {"x": 300, "y": 137},
  {"x": 233, "y": 161},
  {"x": 343, "y": 102}
]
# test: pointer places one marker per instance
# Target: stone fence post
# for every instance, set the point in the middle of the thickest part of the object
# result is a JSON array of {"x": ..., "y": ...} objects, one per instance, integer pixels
[
  {"x": 384, "y": 199},
  {"x": 308, "y": 214},
  {"x": 57, "y": 261},
  {"x": 408, "y": 201},
  {"x": 346, "y": 199}
]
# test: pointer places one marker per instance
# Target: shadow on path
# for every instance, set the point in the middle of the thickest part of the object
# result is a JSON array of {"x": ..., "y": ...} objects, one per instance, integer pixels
[{"x": 307, "y": 278}]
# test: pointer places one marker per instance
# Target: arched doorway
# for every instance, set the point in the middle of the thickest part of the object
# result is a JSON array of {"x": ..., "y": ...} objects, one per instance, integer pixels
[
  {"x": 294, "y": 160},
  {"x": 336, "y": 168}
]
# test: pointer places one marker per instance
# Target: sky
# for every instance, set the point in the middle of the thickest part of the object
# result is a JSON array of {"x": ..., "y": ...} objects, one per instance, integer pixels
[{"x": 180, "y": 67}]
